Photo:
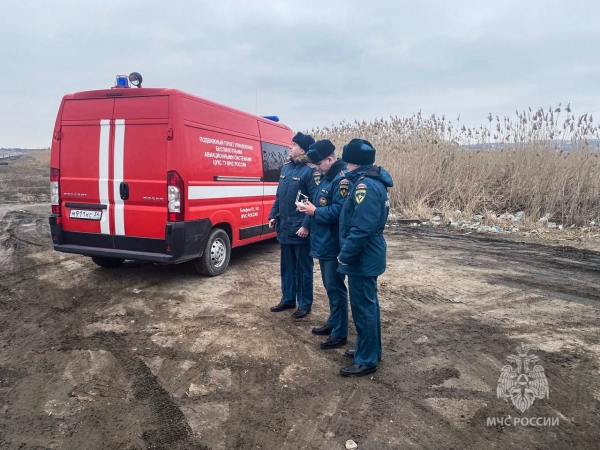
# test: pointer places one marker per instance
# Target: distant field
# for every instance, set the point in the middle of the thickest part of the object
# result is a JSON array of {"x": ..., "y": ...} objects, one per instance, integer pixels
[
  {"x": 26, "y": 179},
  {"x": 42, "y": 157}
]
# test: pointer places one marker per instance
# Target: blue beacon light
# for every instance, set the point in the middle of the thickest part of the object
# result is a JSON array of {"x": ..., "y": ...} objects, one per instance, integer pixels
[
  {"x": 273, "y": 118},
  {"x": 122, "y": 81}
]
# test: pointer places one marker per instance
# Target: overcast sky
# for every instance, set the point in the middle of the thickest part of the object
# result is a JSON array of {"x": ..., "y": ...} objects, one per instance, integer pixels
[{"x": 312, "y": 63}]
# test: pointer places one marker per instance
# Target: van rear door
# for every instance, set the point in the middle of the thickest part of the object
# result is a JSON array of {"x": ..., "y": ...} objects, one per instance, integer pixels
[
  {"x": 84, "y": 151},
  {"x": 139, "y": 183},
  {"x": 113, "y": 160}
]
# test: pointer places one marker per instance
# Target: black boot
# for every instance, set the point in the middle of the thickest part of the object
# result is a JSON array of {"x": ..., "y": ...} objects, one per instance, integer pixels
[
  {"x": 300, "y": 313},
  {"x": 356, "y": 370},
  {"x": 322, "y": 331},
  {"x": 282, "y": 307},
  {"x": 333, "y": 343}
]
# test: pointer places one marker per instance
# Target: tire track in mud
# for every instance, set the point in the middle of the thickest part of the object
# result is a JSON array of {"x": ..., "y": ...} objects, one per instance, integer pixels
[
  {"x": 533, "y": 266},
  {"x": 24, "y": 233},
  {"x": 559, "y": 290},
  {"x": 167, "y": 428},
  {"x": 563, "y": 257},
  {"x": 21, "y": 233}
]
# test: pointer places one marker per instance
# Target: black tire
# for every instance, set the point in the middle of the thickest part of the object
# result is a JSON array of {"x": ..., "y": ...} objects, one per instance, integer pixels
[
  {"x": 217, "y": 251},
  {"x": 107, "y": 263}
]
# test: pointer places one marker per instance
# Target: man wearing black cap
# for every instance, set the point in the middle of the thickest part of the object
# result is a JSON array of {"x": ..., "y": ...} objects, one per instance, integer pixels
[
  {"x": 325, "y": 211},
  {"x": 293, "y": 228},
  {"x": 363, "y": 249}
]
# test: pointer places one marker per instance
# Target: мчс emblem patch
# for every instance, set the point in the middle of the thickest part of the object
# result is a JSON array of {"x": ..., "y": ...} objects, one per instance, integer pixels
[
  {"x": 322, "y": 201},
  {"x": 317, "y": 177},
  {"x": 360, "y": 193},
  {"x": 344, "y": 187}
]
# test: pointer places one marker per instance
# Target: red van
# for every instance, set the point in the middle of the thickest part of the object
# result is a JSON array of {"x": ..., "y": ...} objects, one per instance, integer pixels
[{"x": 160, "y": 175}]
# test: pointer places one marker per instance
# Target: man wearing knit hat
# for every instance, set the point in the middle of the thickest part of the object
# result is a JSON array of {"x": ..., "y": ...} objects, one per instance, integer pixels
[
  {"x": 293, "y": 228},
  {"x": 325, "y": 211},
  {"x": 363, "y": 249}
]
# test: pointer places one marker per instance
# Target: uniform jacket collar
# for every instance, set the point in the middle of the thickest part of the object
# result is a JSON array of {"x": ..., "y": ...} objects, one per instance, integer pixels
[
  {"x": 371, "y": 171},
  {"x": 336, "y": 168},
  {"x": 302, "y": 159},
  {"x": 358, "y": 172}
]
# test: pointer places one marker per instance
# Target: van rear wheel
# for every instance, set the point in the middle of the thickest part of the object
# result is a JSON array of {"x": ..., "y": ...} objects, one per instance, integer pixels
[
  {"x": 108, "y": 263},
  {"x": 217, "y": 251}
]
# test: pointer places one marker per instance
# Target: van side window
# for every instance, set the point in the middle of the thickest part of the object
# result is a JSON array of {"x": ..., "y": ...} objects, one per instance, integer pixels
[{"x": 274, "y": 157}]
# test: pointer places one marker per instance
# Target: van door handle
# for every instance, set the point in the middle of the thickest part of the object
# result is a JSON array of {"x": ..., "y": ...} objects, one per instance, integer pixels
[{"x": 124, "y": 190}]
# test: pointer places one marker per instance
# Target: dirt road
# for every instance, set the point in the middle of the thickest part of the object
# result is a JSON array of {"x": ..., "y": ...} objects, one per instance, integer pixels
[{"x": 156, "y": 357}]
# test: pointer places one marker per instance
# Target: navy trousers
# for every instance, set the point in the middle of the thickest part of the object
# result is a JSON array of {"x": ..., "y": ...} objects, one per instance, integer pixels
[
  {"x": 333, "y": 281},
  {"x": 297, "y": 275},
  {"x": 365, "y": 312}
]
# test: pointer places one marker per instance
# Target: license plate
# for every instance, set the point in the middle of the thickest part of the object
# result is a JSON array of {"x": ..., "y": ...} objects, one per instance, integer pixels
[{"x": 85, "y": 214}]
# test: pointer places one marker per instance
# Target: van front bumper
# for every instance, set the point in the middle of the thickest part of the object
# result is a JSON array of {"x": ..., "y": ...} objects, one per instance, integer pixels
[{"x": 183, "y": 241}]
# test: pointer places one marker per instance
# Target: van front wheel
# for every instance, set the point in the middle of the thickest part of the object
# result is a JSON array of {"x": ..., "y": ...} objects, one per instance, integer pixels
[
  {"x": 109, "y": 263},
  {"x": 217, "y": 251}
]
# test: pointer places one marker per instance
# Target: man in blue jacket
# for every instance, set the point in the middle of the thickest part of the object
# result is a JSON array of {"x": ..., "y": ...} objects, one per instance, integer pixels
[
  {"x": 325, "y": 211},
  {"x": 293, "y": 228},
  {"x": 363, "y": 250}
]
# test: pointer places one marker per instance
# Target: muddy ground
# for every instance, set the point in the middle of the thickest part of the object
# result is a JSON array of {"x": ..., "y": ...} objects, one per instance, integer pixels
[{"x": 157, "y": 357}]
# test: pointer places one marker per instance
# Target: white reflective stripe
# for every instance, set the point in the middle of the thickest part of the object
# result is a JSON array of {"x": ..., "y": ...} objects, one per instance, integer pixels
[
  {"x": 118, "y": 176},
  {"x": 103, "y": 175},
  {"x": 205, "y": 192},
  {"x": 270, "y": 190}
]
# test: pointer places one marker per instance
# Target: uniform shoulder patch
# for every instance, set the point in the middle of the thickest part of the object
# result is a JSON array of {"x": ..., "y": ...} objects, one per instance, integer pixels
[
  {"x": 344, "y": 187},
  {"x": 317, "y": 177},
  {"x": 360, "y": 193}
]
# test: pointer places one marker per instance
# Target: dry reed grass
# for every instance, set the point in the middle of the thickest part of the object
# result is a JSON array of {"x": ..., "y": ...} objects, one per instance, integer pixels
[
  {"x": 42, "y": 157},
  {"x": 509, "y": 165}
]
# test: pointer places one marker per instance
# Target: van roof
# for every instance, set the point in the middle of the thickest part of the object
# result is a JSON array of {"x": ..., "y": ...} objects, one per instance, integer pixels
[{"x": 149, "y": 92}]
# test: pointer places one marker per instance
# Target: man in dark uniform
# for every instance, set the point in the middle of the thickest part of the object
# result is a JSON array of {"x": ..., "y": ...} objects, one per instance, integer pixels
[
  {"x": 363, "y": 250},
  {"x": 293, "y": 227},
  {"x": 325, "y": 211}
]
